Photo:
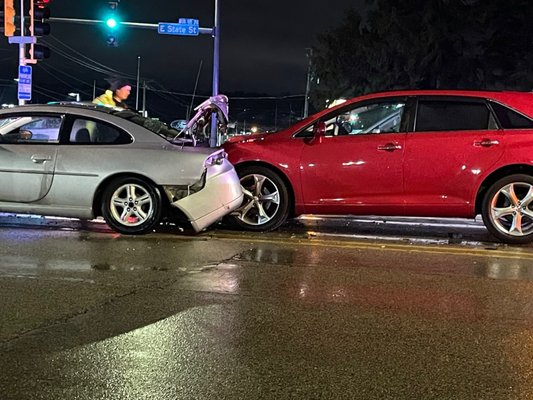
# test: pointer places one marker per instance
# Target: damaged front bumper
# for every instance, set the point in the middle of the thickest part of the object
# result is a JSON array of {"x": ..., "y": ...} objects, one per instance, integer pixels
[{"x": 218, "y": 193}]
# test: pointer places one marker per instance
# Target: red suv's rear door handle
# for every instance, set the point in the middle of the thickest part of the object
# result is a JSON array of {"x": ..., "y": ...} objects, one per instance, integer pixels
[
  {"x": 486, "y": 143},
  {"x": 390, "y": 147}
]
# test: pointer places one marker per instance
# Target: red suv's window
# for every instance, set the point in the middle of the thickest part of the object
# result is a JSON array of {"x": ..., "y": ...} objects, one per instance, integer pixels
[
  {"x": 449, "y": 115},
  {"x": 510, "y": 119}
]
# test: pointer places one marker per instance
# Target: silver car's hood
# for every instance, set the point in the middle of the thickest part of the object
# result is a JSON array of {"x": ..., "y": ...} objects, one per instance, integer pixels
[{"x": 197, "y": 150}]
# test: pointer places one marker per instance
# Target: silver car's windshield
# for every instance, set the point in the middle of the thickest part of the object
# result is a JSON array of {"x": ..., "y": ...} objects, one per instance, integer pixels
[{"x": 154, "y": 125}]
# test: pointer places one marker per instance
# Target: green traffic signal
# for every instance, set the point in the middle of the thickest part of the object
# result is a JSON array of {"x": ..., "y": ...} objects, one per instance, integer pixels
[
  {"x": 111, "y": 18},
  {"x": 111, "y": 23}
]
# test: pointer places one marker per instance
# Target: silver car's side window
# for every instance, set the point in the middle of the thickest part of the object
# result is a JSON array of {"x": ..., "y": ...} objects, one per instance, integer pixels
[
  {"x": 85, "y": 131},
  {"x": 30, "y": 129}
]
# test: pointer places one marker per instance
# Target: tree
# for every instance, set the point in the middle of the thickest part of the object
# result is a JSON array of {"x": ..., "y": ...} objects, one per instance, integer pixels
[{"x": 419, "y": 44}]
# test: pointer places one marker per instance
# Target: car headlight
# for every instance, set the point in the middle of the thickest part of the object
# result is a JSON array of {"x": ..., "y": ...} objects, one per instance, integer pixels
[{"x": 215, "y": 159}]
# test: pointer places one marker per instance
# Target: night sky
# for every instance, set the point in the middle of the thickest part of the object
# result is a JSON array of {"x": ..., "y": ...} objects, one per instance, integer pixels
[{"x": 262, "y": 45}]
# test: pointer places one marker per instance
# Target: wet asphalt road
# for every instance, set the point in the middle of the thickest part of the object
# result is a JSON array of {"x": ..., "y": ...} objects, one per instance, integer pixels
[{"x": 302, "y": 313}]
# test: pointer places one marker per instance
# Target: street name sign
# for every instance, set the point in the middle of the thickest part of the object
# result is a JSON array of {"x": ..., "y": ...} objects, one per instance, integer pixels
[
  {"x": 185, "y": 27},
  {"x": 24, "y": 86}
]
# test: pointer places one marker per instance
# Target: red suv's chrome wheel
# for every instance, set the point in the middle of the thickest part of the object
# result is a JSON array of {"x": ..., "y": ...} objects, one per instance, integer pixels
[
  {"x": 508, "y": 210},
  {"x": 266, "y": 200}
]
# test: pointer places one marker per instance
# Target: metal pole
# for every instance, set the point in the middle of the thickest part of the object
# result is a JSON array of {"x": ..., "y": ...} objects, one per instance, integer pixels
[
  {"x": 213, "y": 139},
  {"x": 22, "y": 46},
  {"x": 138, "y": 78},
  {"x": 94, "y": 89}
]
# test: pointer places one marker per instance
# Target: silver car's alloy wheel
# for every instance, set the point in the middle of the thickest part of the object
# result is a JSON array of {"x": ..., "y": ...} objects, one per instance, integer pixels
[
  {"x": 510, "y": 209},
  {"x": 131, "y": 205},
  {"x": 261, "y": 200}
]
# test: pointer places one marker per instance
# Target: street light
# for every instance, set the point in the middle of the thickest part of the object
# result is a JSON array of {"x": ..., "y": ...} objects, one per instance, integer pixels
[{"x": 75, "y": 95}]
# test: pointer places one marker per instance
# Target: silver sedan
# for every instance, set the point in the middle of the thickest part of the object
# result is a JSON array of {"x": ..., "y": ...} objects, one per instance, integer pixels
[{"x": 89, "y": 161}]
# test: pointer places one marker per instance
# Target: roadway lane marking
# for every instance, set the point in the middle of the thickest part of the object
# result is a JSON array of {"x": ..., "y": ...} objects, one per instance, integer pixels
[{"x": 514, "y": 254}]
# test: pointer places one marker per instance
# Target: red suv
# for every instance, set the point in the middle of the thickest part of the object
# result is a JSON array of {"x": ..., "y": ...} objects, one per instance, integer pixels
[{"x": 407, "y": 153}]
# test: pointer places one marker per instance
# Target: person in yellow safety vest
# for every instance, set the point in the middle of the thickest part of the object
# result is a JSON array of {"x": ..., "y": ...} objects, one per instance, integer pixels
[{"x": 118, "y": 92}]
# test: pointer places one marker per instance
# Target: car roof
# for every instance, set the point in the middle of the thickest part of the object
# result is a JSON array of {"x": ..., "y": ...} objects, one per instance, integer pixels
[{"x": 64, "y": 105}]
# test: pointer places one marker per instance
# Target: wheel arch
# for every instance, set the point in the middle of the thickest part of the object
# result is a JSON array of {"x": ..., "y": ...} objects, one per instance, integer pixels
[
  {"x": 281, "y": 174},
  {"x": 97, "y": 200},
  {"x": 496, "y": 175}
]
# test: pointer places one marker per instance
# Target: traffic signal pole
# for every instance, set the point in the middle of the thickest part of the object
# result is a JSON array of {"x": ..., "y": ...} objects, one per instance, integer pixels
[
  {"x": 213, "y": 138},
  {"x": 22, "y": 46},
  {"x": 24, "y": 74}
]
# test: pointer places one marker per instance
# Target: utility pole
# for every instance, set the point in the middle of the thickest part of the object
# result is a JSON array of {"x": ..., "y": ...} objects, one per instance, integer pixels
[
  {"x": 144, "y": 99},
  {"x": 138, "y": 79},
  {"x": 309, "y": 53},
  {"x": 189, "y": 109},
  {"x": 276, "y": 116}
]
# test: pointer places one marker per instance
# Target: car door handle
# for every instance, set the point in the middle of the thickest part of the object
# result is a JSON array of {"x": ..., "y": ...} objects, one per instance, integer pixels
[
  {"x": 486, "y": 143},
  {"x": 390, "y": 147},
  {"x": 40, "y": 158}
]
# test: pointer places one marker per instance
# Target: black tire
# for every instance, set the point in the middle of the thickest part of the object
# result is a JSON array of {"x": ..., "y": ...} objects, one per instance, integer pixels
[
  {"x": 507, "y": 209},
  {"x": 271, "y": 197},
  {"x": 131, "y": 205}
]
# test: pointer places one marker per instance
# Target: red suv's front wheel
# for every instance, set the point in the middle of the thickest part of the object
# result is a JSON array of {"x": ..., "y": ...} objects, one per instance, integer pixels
[{"x": 266, "y": 200}]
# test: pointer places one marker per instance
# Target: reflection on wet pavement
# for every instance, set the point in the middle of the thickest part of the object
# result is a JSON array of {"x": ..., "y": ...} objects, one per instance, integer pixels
[{"x": 91, "y": 316}]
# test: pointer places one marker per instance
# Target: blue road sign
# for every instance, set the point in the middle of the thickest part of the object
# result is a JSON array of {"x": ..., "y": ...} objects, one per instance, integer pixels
[
  {"x": 24, "y": 87},
  {"x": 170, "y": 28}
]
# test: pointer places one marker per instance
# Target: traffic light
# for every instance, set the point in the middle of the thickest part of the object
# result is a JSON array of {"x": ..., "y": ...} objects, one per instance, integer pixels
[
  {"x": 112, "y": 22},
  {"x": 39, "y": 52},
  {"x": 39, "y": 14},
  {"x": 9, "y": 18}
]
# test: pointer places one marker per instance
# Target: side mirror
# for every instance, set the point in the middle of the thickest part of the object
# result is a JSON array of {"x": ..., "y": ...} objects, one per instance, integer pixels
[{"x": 319, "y": 131}]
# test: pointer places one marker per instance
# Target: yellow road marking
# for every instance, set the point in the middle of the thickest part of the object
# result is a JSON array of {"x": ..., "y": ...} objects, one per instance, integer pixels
[{"x": 406, "y": 248}]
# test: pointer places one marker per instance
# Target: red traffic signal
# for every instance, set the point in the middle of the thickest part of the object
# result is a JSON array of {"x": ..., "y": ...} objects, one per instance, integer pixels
[{"x": 39, "y": 14}]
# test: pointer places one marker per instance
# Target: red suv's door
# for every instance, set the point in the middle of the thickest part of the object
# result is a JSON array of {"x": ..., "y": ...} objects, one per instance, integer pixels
[
  {"x": 454, "y": 143},
  {"x": 357, "y": 167}
]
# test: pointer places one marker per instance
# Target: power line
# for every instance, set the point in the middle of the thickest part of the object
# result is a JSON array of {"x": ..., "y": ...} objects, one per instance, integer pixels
[
  {"x": 104, "y": 69},
  {"x": 70, "y": 76},
  {"x": 49, "y": 90},
  {"x": 90, "y": 59},
  {"x": 45, "y": 69},
  {"x": 154, "y": 86},
  {"x": 47, "y": 95}
]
